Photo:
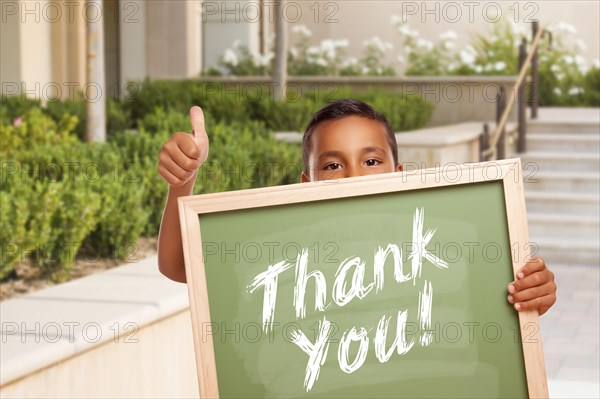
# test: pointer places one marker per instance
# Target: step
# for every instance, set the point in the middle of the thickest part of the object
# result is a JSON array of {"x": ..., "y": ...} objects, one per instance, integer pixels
[
  {"x": 561, "y": 161},
  {"x": 579, "y": 182},
  {"x": 588, "y": 126},
  {"x": 572, "y": 142},
  {"x": 566, "y": 251},
  {"x": 558, "y": 225},
  {"x": 569, "y": 119},
  {"x": 568, "y": 203}
]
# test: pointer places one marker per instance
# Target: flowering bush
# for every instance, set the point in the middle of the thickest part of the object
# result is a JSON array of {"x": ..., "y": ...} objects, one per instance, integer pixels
[
  {"x": 240, "y": 61},
  {"x": 324, "y": 60},
  {"x": 565, "y": 78},
  {"x": 304, "y": 59}
]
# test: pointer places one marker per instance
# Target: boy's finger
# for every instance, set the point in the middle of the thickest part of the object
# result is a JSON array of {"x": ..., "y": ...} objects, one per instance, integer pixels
[
  {"x": 181, "y": 144},
  {"x": 533, "y": 280},
  {"x": 535, "y": 264},
  {"x": 540, "y": 304},
  {"x": 199, "y": 131},
  {"x": 531, "y": 293},
  {"x": 171, "y": 179},
  {"x": 197, "y": 122},
  {"x": 173, "y": 167}
]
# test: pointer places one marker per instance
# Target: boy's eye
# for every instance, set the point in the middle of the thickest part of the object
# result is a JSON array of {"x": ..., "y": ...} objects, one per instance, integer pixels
[
  {"x": 333, "y": 166},
  {"x": 372, "y": 162}
]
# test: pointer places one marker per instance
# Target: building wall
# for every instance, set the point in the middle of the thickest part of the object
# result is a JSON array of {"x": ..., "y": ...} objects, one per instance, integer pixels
[
  {"x": 132, "y": 47},
  {"x": 10, "y": 50},
  {"x": 362, "y": 19}
]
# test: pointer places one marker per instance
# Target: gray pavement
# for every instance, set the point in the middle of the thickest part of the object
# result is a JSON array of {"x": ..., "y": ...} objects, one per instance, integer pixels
[{"x": 571, "y": 332}]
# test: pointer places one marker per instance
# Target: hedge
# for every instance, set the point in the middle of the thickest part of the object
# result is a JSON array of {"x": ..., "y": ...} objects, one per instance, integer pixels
[{"x": 61, "y": 198}]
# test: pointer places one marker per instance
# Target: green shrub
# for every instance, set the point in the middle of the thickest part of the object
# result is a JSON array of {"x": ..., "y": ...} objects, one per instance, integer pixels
[
  {"x": 592, "y": 87},
  {"x": 58, "y": 191},
  {"x": 14, "y": 106},
  {"x": 160, "y": 105}
]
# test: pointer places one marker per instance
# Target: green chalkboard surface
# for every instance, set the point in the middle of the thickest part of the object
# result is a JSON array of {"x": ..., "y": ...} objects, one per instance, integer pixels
[
  {"x": 430, "y": 320},
  {"x": 391, "y": 285}
]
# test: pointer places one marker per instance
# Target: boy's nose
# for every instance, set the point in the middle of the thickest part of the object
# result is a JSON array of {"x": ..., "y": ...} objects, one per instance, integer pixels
[{"x": 351, "y": 171}]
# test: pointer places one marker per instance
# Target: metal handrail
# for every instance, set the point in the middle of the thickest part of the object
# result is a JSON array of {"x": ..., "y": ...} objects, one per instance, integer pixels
[{"x": 495, "y": 136}]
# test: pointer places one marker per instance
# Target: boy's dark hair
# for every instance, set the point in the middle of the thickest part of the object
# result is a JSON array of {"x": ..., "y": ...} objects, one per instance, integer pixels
[{"x": 341, "y": 109}]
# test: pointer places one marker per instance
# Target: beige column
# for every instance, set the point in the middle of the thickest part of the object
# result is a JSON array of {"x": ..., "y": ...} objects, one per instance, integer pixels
[{"x": 173, "y": 32}]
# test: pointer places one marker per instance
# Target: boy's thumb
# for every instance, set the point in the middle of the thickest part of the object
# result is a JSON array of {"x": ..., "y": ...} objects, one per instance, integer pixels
[{"x": 197, "y": 122}]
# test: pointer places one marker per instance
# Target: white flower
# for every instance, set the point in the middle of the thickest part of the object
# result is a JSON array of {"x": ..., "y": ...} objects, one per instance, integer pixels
[
  {"x": 379, "y": 44},
  {"x": 466, "y": 57},
  {"x": 365, "y": 70},
  {"x": 379, "y": 70},
  {"x": 575, "y": 90},
  {"x": 449, "y": 35},
  {"x": 230, "y": 57},
  {"x": 426, "y": 44},
  {"x": 478, "y": 69},
  {"x": 312, "y": 50},
  {"x": 396, "y": 19},
  {"x": 266, "y": 59},
  {"x": 596, "y": 63},
  {"x": 341, "y": 43},
  {"x": 302, "y": 30},
  {"x": 568, "y": 59},
  {"x": 349, "y": 62},
  {"x": 452, "y": 66},
  {"x": 557, "y": 91},
  {"x": 321, "y": 61},
  {"x": 449, "y": 45},
  {"x": 555, "y": 68},
  {"x": 562, "y": 26},
  {"x": 500, "y": 66},
  {"x": 294, "y": 52},
  {"x": 327, "y": 45},
  {"x": 580, "y": 44},
  {"x": 559, "y": 76},
  {"x": 517, "y": 30},
  {"x": 406, "y": 31},
  {"x": 493, "y": 39},
  {"x": 256, "y": 59},
  {"x": 579, "y": 60}
]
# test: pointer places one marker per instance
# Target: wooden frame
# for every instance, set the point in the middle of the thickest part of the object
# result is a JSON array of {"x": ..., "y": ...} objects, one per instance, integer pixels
[{"x": 190, "y": 207}]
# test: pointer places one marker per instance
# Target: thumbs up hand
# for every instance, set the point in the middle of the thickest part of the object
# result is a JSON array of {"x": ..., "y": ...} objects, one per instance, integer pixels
[{"x": 182, "y": 155}]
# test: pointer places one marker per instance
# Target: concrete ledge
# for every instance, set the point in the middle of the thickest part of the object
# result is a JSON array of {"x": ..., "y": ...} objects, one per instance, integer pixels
[{"x": 43, "y": 329}]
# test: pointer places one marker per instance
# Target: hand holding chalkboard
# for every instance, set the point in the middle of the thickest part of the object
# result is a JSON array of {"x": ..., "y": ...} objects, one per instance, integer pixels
[{"x": 183, "y": 154}]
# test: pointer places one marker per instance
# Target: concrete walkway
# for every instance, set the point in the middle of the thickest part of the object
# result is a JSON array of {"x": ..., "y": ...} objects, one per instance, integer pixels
[
  {"x": 570, "y": 333},
  {"x": 563, "y": 143}
]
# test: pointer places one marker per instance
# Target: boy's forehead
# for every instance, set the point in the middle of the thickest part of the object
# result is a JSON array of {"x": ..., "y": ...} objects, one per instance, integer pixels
[{"x": 352, "y": 131}]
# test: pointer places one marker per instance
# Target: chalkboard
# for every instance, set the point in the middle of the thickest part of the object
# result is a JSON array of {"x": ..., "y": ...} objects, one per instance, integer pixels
[{"x": 391, "y": 285}]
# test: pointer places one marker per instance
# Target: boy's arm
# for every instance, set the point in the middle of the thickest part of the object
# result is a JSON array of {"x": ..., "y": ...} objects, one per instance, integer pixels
[
  {"x": 178, "y": 163},
  {"x": 170, "y": 247}
]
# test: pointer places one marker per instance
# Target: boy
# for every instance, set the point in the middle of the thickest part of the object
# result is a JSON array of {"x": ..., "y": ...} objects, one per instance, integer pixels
[{"x": 346, "y": 138}]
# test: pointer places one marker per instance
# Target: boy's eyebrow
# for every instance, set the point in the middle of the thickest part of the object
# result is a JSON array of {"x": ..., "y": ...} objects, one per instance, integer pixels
[
  {"x": 373, "y": 149},
  {"x": 330, "y": 153},
  {"x": 340, "y": 154}
]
